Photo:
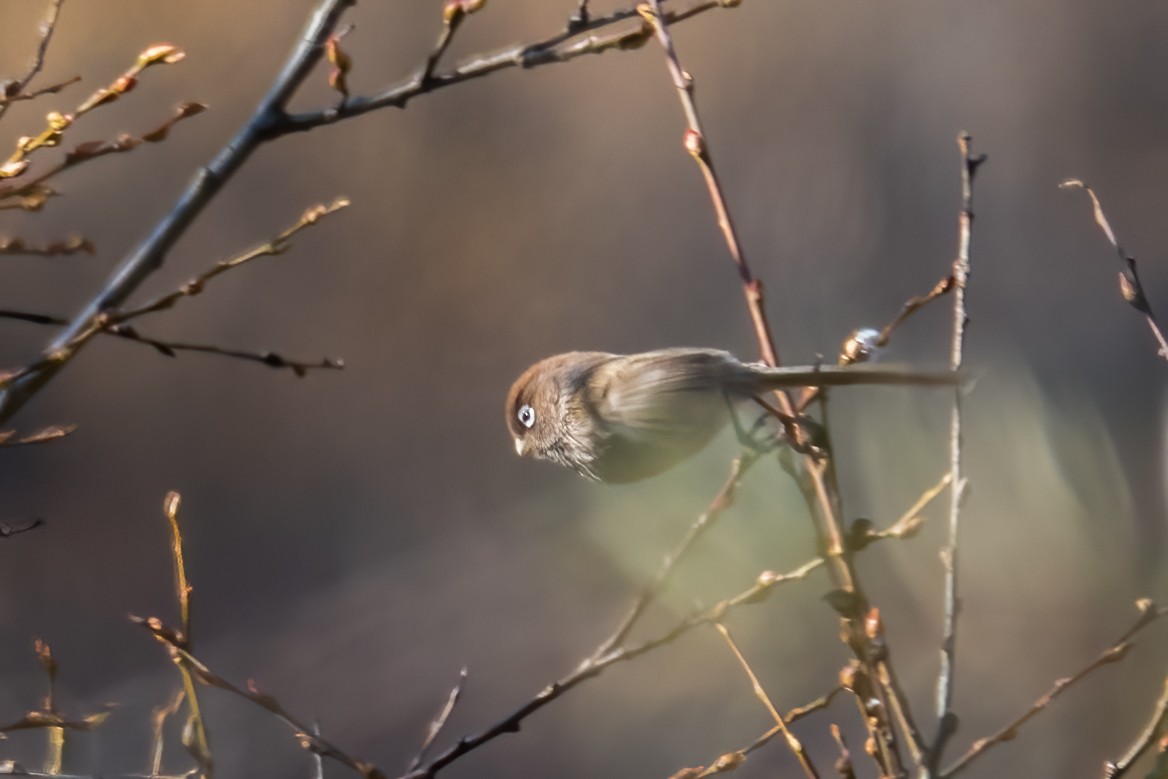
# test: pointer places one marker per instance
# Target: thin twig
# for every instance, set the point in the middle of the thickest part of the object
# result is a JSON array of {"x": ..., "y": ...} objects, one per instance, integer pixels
[
  {"x": 760, "y": 692},
  {"x": 1149, "y": 613},
  {"x": 1129, "y": 281},
  {"x": 17, "y": 88},
  {"x": 51, "y": 89},
  {"x": 7, "y": 530},
  {"x": 575, "y": 40},
  {"x": 439, "y": 721},
  {"x": 822, "y": 491},
  {"x": 1113, "y": 769},
  {"x": 123, "y": 143},
  {"x": 843, "y": 764},
  {"x": 161, "y": 715},
  {"x": 172, "y": 348},
  {"x": 305, "y": 737},
  {"x": 13, "y": 247},
  {"x": 722, "y": 501},
  {"x": 952, "y": 602},
  {"x": 595, "y": 665},
  {"x": 276, "y": 246},
  {"x": 42, "y": 436},
  {"x": 195, "y": 732},
  {"x": 731, "y": 760}
]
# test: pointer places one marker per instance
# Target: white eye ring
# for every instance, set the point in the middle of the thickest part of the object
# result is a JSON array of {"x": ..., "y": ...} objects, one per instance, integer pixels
[{"x": 526, "y": 416}]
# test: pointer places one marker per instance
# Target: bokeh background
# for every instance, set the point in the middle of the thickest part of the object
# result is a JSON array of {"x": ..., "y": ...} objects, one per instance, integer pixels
[{"x": 355, "y": 538}]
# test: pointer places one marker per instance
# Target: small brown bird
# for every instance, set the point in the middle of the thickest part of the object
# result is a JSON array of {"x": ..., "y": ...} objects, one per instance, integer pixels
[{"x": 620, "y": 418}]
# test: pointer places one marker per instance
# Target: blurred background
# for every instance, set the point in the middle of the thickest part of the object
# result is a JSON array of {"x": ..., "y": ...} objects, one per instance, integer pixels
[{"x": 355, "y": 538}]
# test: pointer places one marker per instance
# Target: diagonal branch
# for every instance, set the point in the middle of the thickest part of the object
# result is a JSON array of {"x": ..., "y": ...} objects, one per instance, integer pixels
[
  {"x": 1149, "y": 613},
  {"x": 269, "y": 121}
]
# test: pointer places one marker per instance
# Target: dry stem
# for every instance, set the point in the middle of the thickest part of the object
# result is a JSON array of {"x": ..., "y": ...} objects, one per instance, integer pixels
[
  {"x": 1149, "y": 613},
  {"x": 952, "y": 603}
]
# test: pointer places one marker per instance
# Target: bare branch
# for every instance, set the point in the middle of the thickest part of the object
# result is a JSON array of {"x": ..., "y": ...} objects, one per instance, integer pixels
[
  {"x": 1149, "y": 613},
  {"x": 722, "y": 501},
  {"x": 731, "y": 760},
  {"x": 194, "y": 736},
  {"x": 439, "y": 721},
  {"x": 11, "y": 247},
  {"x": 42, "y": 436},
  {"x": 1113, "y": 769},
  {"x": 278, "y": 245},
  {"x": 305, "y": 736},
  {"x": 793, "y": 743},
  {"x": 13, "y": 90},
  {"x": 1129, "y": 281},
  {"x": 52, "y": 89},
  {"x": 961, "y": 269},
  {"x": 300, "y": 367},
  {"x": 10, "y": 530}
]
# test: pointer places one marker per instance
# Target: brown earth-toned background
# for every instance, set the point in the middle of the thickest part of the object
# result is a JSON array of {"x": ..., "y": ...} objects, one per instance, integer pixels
[{"x": 354, "y": 538}]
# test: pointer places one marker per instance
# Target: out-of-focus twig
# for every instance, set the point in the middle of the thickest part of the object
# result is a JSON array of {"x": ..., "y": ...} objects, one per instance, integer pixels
[
  {"x": 305, "y": 736},
  {"x": 42, "y": 436},
  {"x": 194, "y": 736},
  {"x": 722, "y": 501},
  {"x": 161, "y": 715},
  {"x": 843, "y": 764},
  {"x": 1113, "y": 769},
  {"x": 1129, "y": 281},
  {"x": 1149, "y": 613},
  {"x": 276, "y": 246},
  {"x": 12, "y": 247},
  {"x": 595, "y": 665},
  {"x": 760, "y": 692},
  {"x": 731, "y": 760},
  {"x": 439, "y": 721},
  {"x": 51, "y": 89},
  {"x": 946, "y": 719},
  {"x": 7, "y": 530},
  {"x": 15, "y": 89}
]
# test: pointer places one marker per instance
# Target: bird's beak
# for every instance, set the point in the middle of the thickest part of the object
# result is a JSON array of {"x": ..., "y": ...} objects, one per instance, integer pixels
[{"x": 520, "y": 446}]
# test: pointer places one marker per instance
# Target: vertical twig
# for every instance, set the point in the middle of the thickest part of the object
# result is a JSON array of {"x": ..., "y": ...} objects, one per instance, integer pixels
[
  {"x": 952, "y": 604},
  {"x": 194, "y": 736},
  {"x": 821, "y": 492},
  {"x": 161, "y": 714},
  {"x": 55, "y": 751}
]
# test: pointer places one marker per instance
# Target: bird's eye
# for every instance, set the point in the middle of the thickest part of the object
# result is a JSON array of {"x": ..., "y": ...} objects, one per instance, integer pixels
[{"x": 527, "y": 416}]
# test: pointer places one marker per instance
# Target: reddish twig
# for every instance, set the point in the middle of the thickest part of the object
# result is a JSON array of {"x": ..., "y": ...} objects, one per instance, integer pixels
[{"x": 1129, "y": 281}]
